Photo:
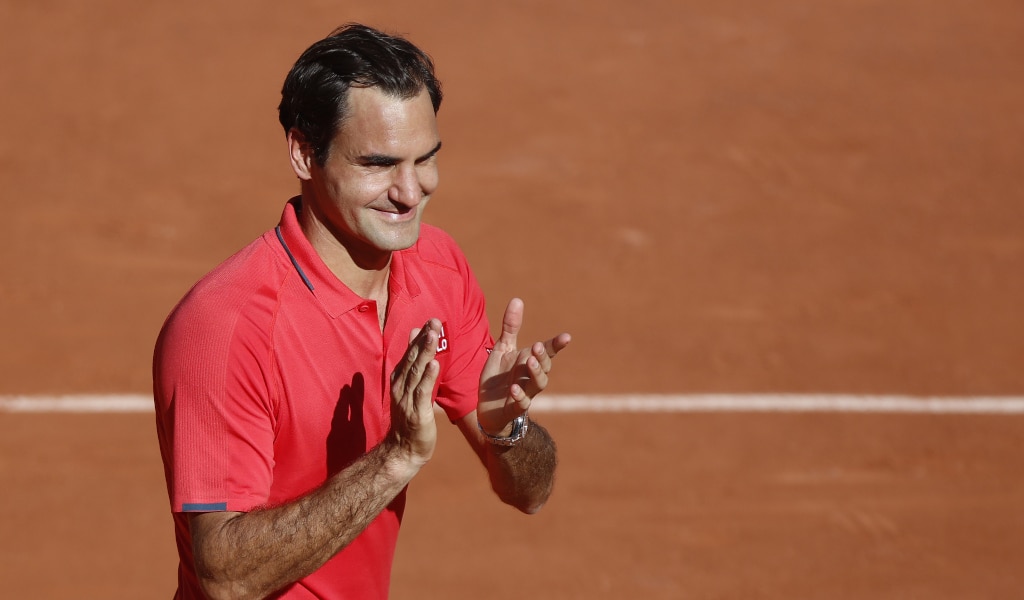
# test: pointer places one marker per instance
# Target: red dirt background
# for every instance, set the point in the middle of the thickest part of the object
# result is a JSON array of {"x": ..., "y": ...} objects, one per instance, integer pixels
[{"x": 730, "y": 196}]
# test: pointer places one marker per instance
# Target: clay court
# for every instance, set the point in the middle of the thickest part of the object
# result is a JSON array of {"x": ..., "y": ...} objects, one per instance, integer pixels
[{"x": 734, "y": 198}]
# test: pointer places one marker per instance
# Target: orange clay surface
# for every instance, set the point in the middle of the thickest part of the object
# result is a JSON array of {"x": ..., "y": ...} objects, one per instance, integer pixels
[{"x": 729, "y": 197}]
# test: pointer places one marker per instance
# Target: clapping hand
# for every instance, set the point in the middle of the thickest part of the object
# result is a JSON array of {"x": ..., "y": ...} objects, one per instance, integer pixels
[
  {"x": 412, "y": 385},
  {"x": 512, "y": 377}
]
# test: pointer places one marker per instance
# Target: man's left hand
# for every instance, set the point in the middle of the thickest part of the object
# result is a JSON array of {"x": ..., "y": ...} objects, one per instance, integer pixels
[{"x": 512, "y": 377}]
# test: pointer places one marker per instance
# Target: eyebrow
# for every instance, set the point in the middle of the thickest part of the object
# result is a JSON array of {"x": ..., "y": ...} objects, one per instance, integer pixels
[{"x": 383, "y": 160}]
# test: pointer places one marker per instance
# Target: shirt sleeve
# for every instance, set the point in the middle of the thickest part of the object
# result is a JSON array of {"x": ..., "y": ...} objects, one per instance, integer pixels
[
  {"x": 471, "y": 342},
  {"x": 214, "y": 414}
]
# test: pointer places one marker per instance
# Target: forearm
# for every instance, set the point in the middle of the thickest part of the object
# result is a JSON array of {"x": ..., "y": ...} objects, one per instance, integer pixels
[
  {"x": 523, "y": 475},
  {"x": 256, "y": 553}
]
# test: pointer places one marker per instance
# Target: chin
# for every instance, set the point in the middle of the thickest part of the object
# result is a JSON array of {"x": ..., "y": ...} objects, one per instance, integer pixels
[{"x": 399, "y": 240}]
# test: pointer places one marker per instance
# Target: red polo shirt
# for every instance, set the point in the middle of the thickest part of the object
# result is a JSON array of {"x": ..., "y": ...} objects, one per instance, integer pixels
[{"x": 270, "y": 375}]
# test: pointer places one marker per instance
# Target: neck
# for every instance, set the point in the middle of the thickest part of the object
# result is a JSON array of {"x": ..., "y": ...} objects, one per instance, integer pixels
[{"x": 364, "y": 271}]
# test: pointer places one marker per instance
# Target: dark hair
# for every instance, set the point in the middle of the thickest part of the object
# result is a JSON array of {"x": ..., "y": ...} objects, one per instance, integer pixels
[{"x": 314, "y": 98}]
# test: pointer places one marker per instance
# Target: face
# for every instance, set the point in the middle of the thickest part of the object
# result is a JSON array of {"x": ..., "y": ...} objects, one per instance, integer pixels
[{"x": 369, "y": 195}]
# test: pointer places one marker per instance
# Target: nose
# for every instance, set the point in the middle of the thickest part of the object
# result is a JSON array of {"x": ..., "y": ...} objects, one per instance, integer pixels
[{"x": 406, "y": 188}]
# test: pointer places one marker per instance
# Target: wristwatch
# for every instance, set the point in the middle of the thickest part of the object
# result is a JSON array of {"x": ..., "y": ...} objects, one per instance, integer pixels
[{"x": 519, "y": 427}]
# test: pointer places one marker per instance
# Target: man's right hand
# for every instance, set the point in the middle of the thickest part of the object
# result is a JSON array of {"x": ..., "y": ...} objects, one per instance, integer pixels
[
  {"x": 413, "y": 428},
  {"x": 265, "y": 549}
]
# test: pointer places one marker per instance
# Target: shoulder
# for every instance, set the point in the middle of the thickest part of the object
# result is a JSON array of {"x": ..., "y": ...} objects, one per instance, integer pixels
[
  {"x": 234, "y": 281},
  {"x": 241, "y": 292}
]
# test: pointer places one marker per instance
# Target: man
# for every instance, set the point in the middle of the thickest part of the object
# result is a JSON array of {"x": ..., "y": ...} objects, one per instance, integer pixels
[{"x": 295, "y": 383}]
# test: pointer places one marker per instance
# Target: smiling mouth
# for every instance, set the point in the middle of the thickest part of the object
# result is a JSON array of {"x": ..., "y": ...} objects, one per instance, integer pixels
[{"x": 400, "y": 215}]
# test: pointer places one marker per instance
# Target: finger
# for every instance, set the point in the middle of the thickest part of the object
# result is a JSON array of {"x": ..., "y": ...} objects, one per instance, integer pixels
[
  {"x": 538, "y": 377},
  {"x": 545, "y": 351},
  {"x": 540, "y": 352},
  {"x": 511, "y": 323},
  {"x": 521, "y": 400},
  {"x": 418, "y": 340},
  {"x": 431, "y": 323},
  {"x": 401, "y": 371},
  {"x": 417, "y": 368},
  {"x": 557, "y": 344},
  {"x": 423, "y": 394},
  {"x": 528, "y": 375}
]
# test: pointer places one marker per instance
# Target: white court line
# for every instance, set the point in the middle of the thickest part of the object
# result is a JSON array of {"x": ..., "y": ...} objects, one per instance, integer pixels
[
  {"x": 690, "y": 403},
  {"x": 785, "y": 403},
  {"x": 84, "y": 403}
]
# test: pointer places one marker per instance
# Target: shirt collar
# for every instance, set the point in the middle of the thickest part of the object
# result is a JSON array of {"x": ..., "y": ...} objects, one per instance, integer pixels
[{"x": 335, "y": 296}]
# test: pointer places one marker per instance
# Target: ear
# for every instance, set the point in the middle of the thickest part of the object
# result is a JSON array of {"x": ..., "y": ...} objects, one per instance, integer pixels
[{"x": 300, "y": 153}]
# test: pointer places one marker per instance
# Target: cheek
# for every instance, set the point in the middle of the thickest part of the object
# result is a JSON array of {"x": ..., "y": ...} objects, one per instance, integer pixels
[
  {"x": 357, "y": 192},
  {"x": 429, "y": 178}
]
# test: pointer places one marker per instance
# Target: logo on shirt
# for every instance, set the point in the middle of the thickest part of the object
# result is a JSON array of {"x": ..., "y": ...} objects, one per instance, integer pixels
[{"x": 442, "y": 339}]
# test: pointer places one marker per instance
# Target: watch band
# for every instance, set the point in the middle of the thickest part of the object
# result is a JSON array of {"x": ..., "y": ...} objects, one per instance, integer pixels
[{"x": 519, "y": 427}]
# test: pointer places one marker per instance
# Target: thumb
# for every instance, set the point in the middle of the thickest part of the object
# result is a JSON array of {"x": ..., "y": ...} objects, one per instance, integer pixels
[{"x": 511, "y": 323}]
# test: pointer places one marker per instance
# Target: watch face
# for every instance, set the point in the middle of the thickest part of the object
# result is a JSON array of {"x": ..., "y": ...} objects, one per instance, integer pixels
[
  {"x": 520, "y": 426},
  {"x": 518, "y": 429}
]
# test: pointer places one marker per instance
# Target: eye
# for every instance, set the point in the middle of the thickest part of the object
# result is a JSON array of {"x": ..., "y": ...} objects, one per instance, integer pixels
[
  {"x": 378, "y": 162},
  {"x": 429, "y": 157}
]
